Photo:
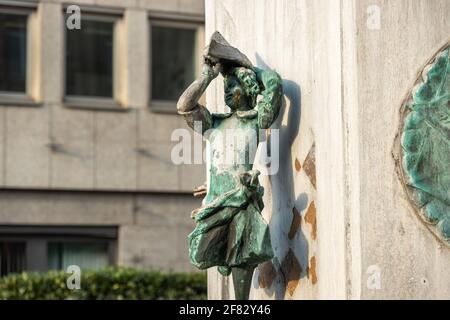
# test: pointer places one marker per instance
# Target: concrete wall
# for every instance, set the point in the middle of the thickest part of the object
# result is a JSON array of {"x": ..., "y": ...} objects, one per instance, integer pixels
[
  {"x": 66, "y": 166},
  {"x": 153, "y": 228},
  {"x": 344, "y": 82},
  {"x": 95, "y": 150},
  {"x": 51, "y": 146}
]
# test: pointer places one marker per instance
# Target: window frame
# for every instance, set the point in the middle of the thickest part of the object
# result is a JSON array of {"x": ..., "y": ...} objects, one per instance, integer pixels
[
  {"x": 197, "y": 24},
  {"x": 91, "y": 102},
  {"x": 11, "y": 98}
]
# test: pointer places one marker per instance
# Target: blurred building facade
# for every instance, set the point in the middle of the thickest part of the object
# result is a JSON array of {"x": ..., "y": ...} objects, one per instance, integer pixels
[{"x": 86, "y": 117}]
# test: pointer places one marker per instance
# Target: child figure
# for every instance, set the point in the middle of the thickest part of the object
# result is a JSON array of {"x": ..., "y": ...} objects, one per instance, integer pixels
[{"x": 230, "y": 232}]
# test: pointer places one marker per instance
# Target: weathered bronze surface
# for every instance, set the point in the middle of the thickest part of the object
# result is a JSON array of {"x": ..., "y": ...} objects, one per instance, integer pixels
[
  {"x": 230, "y": 232},
  {"x": 426, "y": 145}
]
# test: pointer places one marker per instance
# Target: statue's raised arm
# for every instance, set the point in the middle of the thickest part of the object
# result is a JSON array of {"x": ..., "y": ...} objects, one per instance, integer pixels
[{"x": 188, "y": 105}]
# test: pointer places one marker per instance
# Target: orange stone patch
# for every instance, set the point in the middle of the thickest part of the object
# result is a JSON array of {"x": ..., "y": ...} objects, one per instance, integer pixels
[
  {"x": 309, "y": 165},
  {"x": 295, "y": 224},
  {"x": 298, "y": 166},
  {"x": 312, "y": 270},
  {"x": 292, "y": 270},
  {"x": 267, "y": 274},
  {"x": 310, "y": 217}
]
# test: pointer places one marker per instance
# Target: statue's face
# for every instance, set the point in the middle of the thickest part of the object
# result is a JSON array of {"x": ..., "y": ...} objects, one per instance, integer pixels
[{"x": 235, "y": 96}]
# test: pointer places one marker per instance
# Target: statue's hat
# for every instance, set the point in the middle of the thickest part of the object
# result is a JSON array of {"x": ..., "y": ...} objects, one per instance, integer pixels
[{"x": 220, "y": 48}]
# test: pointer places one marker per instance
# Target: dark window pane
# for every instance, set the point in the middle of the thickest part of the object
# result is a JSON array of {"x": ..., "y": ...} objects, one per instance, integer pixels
[
  {"x": 12, "y": 257},
  {"x": 173, "y": 67},
  {"x": 89, "y": 59},
  {"x": 85, "y": 255},
  {"x": 13, "y": 55}
]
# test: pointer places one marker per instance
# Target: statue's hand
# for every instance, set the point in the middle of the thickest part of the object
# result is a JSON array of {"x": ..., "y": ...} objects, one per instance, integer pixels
[{"x": 211, "y": 67}]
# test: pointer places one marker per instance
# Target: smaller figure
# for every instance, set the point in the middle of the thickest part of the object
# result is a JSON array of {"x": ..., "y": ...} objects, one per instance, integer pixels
[{"x": 230, "y": 231}]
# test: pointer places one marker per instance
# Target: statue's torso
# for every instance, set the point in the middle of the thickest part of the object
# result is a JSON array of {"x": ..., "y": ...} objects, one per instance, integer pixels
[{"x": 232, "y": 148}]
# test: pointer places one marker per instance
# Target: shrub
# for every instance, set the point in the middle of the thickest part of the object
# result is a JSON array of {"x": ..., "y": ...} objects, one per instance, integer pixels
[{"x": 105, "y": 284}]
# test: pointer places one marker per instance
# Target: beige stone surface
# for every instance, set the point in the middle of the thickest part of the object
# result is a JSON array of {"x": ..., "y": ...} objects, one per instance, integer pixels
[
  {"x": 191, "y": 176},
  {"x": 158, "y": 127},
  {"x": 155, "y": 168},
  {"x": 27, "y": 159},
  {"x": 353, "y": 79},
  {"x": 65, "y": 208},
  {"x": 56, "y": 147},
  {"x": 166, "y": 210},
  {"x": 86, "y": 150},
  {"x": 161, "y": 247},
  {"x": 412, "y": 261},
  {"x": 50, "y": 34},
  {"x": 73, "y": 160},
  {"x": 115, "y": 150},
  {"x": 136, "y": 61},
  {"x": 288, "y": 188}
]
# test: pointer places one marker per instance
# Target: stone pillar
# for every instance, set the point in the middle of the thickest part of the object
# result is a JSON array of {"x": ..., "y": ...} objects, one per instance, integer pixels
[{"x": 342, "y": 225}]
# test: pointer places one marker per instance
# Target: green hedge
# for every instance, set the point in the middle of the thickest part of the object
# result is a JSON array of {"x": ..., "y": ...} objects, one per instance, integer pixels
[{"x": 111, "y": 284}]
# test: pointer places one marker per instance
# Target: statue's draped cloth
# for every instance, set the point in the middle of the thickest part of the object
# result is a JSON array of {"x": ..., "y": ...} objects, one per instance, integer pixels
[{"x": 230, "y": 230}]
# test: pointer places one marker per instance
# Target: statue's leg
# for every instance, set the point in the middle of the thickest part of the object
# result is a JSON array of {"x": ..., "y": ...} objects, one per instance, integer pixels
[{"x": 242, "y": 281}]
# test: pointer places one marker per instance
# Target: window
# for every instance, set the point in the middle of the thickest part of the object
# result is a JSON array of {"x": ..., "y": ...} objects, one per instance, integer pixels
[
  {"x": 89, "y": 59},
  {"x": 12, "y": 257},
  {"x": 173, "y": 61},
  {"x": 13, "y": 52},
  {"x": 41, "y": 248},
  {"x": 85, "y": 255}
]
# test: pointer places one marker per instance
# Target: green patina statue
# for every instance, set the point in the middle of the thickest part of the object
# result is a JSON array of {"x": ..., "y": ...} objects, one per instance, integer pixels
[
  {"x": 426, "y": 145},
  {"x": 230, "y": 232}
]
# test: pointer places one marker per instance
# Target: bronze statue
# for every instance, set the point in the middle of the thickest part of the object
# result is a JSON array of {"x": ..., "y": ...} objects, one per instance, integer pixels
[{"x": 230, "y": 231}]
